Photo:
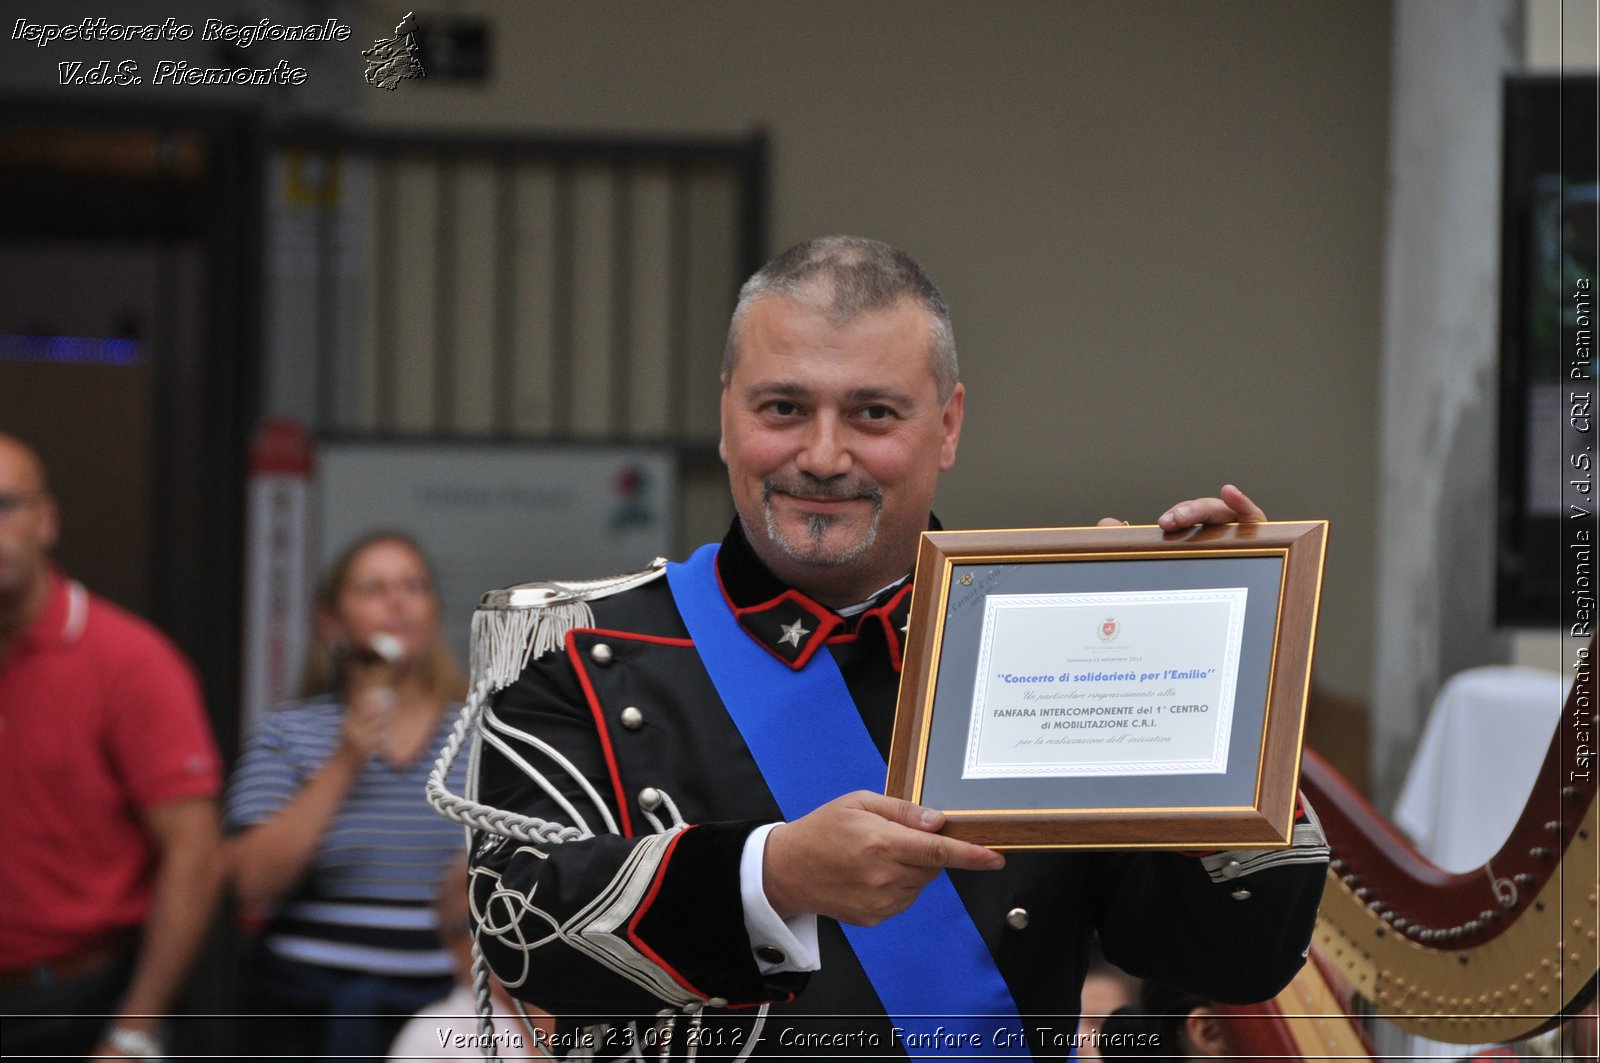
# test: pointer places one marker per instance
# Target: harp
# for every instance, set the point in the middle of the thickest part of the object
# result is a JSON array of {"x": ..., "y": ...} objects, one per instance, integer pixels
[{"x": 1497, "y": 954}]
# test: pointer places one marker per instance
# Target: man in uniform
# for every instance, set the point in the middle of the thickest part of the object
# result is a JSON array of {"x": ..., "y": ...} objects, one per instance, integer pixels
[
  {"x": 712, "y": 735},
  {"x": 112, "y": 859}
]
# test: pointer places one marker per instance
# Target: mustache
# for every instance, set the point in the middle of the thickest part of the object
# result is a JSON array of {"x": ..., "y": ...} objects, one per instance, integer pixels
[{"x": 809, "y": 486}]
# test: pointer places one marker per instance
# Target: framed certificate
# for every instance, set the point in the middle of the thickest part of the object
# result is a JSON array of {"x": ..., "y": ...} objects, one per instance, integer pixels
[{"x": 1115, "y": 687}]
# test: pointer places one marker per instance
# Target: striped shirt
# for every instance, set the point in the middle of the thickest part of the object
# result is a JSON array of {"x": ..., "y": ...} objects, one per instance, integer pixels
[{"x": 366, "y": 902}]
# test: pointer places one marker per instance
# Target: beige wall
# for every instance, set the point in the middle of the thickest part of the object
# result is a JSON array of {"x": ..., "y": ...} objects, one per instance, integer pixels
[
  {"x": 1560, "y": 35},
  {"x": 1159, "y": 224}
]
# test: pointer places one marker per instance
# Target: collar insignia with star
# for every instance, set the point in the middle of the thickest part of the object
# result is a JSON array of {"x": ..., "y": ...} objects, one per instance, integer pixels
[{"x": 792, "y": 633}]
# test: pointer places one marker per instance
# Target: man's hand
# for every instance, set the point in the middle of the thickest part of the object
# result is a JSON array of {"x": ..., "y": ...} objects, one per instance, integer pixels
[
  {"x": 861, "y": 858},
  {"x": 189, "y": 873},
  {"x": 141, "y": 1024},
  {"x": 1234, "y": 507}
]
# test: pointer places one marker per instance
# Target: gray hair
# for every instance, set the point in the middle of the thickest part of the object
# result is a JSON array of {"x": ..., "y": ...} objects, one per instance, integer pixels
[{"x": 844, "y": 276}]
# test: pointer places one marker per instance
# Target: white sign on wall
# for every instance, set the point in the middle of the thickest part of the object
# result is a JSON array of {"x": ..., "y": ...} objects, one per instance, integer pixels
[{"x": 492, "y": 515}]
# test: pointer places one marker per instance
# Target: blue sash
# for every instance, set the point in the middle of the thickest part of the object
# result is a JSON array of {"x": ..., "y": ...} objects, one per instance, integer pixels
[{"x": 929, "y": 965}]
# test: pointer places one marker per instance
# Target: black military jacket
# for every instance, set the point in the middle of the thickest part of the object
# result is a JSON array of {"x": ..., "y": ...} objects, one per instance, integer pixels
[{"x": 645, "y": 918}]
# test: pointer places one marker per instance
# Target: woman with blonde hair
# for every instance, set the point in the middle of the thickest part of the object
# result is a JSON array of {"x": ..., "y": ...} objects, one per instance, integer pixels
[{"x": 333, "y": 845}]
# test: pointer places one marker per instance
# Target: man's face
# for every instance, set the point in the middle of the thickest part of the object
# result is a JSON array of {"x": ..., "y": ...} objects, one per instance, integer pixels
[
  {"x": 834, "y": 440},
  {"x": 27, "y": 521}
]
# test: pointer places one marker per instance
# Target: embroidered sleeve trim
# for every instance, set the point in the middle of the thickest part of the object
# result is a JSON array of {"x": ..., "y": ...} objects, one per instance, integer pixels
[
  {"x": 1307, "y": 845},
  {"x": 600, "y": 928},
  {"x": 639, "y": 913}
]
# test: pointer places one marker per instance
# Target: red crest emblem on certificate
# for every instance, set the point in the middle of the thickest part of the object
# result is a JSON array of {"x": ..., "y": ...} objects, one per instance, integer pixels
[{"x": 1109, "y": 628}]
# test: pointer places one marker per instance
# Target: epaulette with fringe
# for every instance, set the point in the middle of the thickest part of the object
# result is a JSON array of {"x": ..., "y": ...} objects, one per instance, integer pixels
[{"x": 511, "y": 627}]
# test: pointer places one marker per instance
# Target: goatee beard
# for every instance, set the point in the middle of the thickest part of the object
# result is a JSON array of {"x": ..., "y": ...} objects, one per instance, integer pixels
[{"x": 815, "y": 550}]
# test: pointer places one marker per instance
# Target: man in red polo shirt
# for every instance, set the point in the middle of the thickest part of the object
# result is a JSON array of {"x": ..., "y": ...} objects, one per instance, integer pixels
[{"x": 110, "y": 861}]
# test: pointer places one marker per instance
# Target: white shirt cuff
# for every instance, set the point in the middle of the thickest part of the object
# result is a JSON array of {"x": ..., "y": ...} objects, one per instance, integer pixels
[{"x": 793, "y": 939}]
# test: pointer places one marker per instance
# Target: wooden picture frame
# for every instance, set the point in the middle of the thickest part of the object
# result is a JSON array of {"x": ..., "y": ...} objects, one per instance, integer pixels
[{"x": 1025, "y": 759}]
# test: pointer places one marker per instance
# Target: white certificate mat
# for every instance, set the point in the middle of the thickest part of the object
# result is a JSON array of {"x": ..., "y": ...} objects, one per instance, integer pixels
[{"x": 1105, "y": 684}]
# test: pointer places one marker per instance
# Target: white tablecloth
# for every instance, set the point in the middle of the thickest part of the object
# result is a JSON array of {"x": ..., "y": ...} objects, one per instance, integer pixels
[{"x": 1480, "y": 752}]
